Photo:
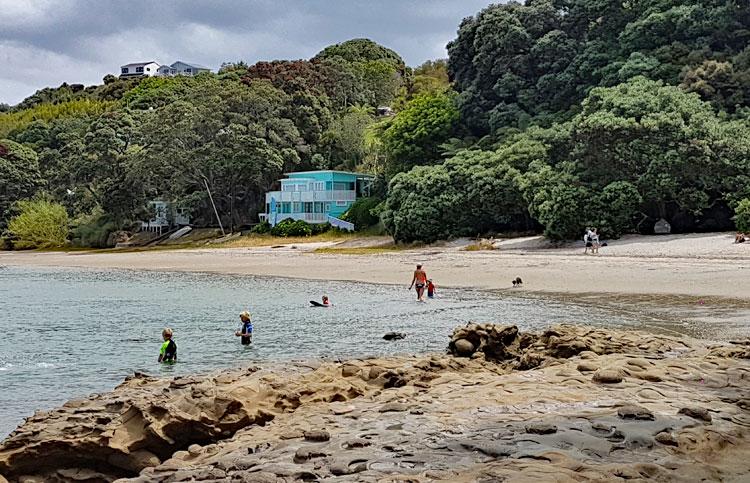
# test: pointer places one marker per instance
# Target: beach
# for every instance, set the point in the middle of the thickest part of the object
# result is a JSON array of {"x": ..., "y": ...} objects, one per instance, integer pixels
[
  {"x": 683, "y": 266},
  {"x": 560, "y": 403}
]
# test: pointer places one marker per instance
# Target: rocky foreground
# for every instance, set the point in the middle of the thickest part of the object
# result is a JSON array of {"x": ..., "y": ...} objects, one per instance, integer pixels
[{"x": 570, "y": 404}]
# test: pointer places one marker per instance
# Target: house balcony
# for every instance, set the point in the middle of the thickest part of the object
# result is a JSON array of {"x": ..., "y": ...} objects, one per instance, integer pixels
[
  {"x": 311, "y": 196},
  {"x": 308, "y": 217}
]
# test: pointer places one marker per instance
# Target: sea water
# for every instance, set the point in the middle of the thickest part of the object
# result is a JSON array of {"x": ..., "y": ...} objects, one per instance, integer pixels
[{"x": 66, "y": 333}]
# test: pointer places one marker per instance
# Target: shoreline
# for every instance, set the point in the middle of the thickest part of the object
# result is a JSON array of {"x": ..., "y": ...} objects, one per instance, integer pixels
[
  {"x": 682, "y": 267},
  {"x": 572, "y": 402}
]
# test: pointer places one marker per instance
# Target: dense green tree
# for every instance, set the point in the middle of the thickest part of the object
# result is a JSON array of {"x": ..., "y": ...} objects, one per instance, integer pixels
[
  {"x": 415, "y": 134},
  {"x": 362, "y": 50},
  {"x": 19, "y": 175},
  {"x": 40, "y": 223},
  {"x": 472, "y": 193}
]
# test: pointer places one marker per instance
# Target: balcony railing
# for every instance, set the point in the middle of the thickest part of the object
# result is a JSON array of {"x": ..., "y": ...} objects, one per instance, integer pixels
[
  {"x": 308, "y": 217},
  {"x": 311, "y": 196}
]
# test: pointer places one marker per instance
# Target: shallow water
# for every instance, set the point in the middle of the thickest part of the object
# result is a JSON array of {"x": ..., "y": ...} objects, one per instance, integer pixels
[{"x": 69, "y": 332}]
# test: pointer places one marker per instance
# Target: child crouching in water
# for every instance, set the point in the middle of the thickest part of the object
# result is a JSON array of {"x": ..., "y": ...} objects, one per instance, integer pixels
[
  {"x": 246, "y": 332},
  {"x": 430, "y": 289},
  {"x": 168, "y": 351}
]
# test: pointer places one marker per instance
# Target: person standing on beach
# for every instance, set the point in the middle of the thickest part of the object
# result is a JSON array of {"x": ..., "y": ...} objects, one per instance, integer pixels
[
  {"x": 419, "y": 281},
  {"x": 168, "y": 351},
  {"x": 246, "y": 331}
]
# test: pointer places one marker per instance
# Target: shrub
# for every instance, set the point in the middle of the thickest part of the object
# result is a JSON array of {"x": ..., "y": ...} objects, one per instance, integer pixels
[
  {"x": 742, "y": 216},
  {"x": 93, "y": 230},
  {"x": 318, "y": 228},
  {"x": 40, "y": 223},
  {"x": 290, "y": 227},
  {"x": 361, "y": 213},
  {"x": 262, "y": 228}
]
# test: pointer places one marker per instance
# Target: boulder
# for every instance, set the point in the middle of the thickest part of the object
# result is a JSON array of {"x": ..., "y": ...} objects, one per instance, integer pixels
[
  {"x": 608, "y": 376},
  {"x": 696, "y": 413},
  {"x": 463, "y": 347},
  {"x": 635, "y": 412},
  {"x": 317, "y": 436}
]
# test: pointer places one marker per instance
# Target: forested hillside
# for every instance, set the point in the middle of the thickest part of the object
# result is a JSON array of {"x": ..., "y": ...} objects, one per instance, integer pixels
[
  {"x": 576, "y": 113},
  {"x": 547, "y": 116}
]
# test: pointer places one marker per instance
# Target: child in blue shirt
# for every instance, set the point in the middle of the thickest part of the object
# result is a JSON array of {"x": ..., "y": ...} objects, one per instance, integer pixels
[{"x": 246, "y": 331}]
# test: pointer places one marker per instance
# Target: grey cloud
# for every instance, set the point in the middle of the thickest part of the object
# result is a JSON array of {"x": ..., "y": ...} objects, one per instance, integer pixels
[{"x": 79, "y": 41}]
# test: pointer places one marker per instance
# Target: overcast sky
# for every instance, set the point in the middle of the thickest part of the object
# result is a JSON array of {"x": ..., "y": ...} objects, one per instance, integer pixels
[{"x": 47, "y": 42}]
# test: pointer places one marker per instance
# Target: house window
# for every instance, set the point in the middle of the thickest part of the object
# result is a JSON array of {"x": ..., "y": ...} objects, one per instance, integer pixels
[
  {"x": 148, "y": 69},
  {"x": 341, "y": 203},
  {"x": 296, "y": 207},
  {"x": 308, "y": 207},
  {"x": 188, "y": 70},
  {"x": 286, "y": 207},
  {"x": 139, "y": 70},
  {"x": 124, "y": 70},
  {"x": 337, "y": 186}
]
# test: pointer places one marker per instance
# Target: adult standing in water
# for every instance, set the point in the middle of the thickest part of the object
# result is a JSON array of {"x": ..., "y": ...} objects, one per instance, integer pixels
[{"x": 419, "y": 281}]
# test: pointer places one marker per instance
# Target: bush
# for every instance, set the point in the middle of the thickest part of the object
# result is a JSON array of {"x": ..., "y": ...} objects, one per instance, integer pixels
[
  {"x": 318, "y": 228},
  {"x": 361, "y": 213},
  {"x": 290, "y": 227},
  {"x": 262, "y": 228},
  {"x": 742, "y": 216},
  {"x": 39, "y": 224},
  {"x": 93, "y": 231}
]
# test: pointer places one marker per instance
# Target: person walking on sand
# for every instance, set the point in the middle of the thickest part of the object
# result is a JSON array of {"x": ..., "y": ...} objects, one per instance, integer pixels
[
  {"x": 594, "y": 237},
  {"x": 587, "y": 241},
  {"x": 419, "y": 281},
  {"x": 168, "y": 351},
  {"x": 246, "y": 331}
]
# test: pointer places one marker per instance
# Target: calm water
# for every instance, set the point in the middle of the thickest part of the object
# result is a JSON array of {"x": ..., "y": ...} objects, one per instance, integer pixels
[{"x": 67, "y": 333}]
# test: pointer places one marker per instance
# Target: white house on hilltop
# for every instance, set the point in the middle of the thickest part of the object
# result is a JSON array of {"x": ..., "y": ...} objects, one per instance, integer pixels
[
  {"x": 182, "y": 68},
  {"x": 149, "y": 69}
]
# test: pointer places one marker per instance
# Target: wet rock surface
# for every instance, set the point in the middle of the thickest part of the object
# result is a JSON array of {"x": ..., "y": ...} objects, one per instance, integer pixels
[{"x": 518, "y": 406}]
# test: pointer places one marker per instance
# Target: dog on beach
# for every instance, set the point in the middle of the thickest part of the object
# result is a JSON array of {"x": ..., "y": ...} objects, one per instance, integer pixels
[{"x": 517, "y": 282}]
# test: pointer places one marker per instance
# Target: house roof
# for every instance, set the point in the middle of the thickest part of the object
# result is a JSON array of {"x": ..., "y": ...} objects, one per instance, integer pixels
[
  {"x": 329, "y": 171},
  {"x": 197, "y": 66},
  {"x": 136, "y": 64}
]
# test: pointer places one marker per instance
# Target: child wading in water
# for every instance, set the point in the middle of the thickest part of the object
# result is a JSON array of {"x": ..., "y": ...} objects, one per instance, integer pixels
[
  {"x": 430, "y": 289},
  {"x": 168, "y": 351},
  {"x": 246, "y": 332}
]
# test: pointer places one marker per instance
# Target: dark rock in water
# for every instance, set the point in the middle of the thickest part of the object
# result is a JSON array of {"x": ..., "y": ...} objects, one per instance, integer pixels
[
  {"x": 635, "y": 412},
  {"x": 541, "y": 428},
  {"x": 696, "y": 413},
  {"x": 319, "y": 436},
  {"x": 463, "y": 347},
  {"x": 394, "y": 336}
]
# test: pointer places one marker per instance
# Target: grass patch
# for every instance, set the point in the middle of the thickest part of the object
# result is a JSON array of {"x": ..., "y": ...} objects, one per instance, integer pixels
[
  {"x": 483, "y": 244},
  {"x": 256, "y": 240}
]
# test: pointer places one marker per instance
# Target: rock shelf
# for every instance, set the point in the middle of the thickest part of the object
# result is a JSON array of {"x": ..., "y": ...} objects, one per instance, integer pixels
[{"x": 572, "y": 403}]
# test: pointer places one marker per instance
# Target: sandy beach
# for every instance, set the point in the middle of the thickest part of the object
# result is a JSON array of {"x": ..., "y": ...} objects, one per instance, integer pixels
[{"x": 692, "y": 266}]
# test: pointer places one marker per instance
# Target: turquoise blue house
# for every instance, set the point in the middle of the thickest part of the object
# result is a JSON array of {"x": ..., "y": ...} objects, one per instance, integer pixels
[{"x": 316, "y": 197}]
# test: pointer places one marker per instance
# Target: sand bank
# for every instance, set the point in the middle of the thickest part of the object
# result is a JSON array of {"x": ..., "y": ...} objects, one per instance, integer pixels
[{"x": 706, "y": 265}]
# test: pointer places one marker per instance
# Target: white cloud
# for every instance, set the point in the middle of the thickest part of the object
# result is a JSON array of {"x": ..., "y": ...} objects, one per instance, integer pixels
[{"x": 47, "y": 42}]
